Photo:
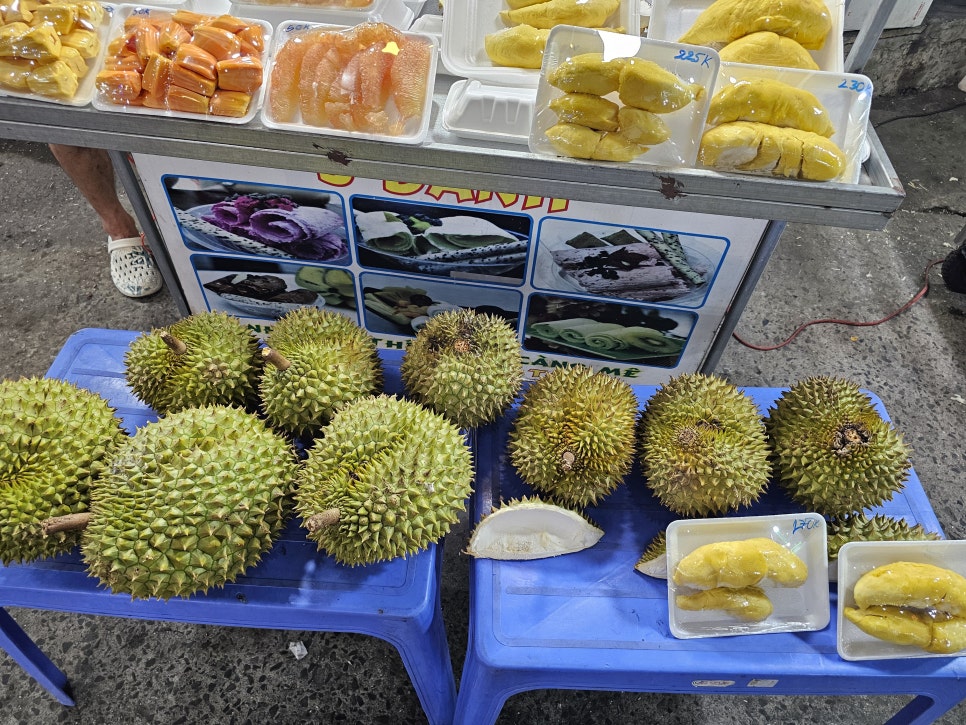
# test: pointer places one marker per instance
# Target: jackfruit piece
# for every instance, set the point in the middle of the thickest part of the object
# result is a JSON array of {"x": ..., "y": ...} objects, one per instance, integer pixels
[
  {"x": 584, "y": 13},
  {"x": 587, "y": 73},
  {"x": 646, "y": 85},
  {"x": 643, "y": 127},
  {"x": 518, "y": 47},
  {"x": 770, "y": 101},
  {"x": 808, "y": 22},
  {"x": 54, "y": 79},
  {"x": 760, "y": 147},
  {"x": 60, "y": 17},
  {"x": 586, "y": 109},
  {"x": 912, "y": 584},
  {"x": 748, "y": 603},
  {"x": 11, "y": 37},
  {"x": 768, "y": 48},
  {"x": 40, "y": 43},
  {"x": 14, "y": 72},
  {"x": 616, "y": 147},
  {"x": 571, "y": 139},
  {"x": 85, "y": 41}
]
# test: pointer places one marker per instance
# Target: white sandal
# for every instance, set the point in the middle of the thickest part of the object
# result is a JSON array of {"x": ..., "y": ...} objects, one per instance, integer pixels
[{"x": 133, "y": 268}]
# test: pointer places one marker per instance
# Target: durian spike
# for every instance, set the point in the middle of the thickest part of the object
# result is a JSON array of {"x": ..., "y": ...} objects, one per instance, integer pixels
[
  {"x": 329, "y": 517},
  {"x": 176, "y": 345},
  {"x": 276, "y": 358},
  {"x": 69, "y": 522}
]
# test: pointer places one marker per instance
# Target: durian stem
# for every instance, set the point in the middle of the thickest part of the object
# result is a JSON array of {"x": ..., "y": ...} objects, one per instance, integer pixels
[
  {"x": 275, "y": 358},
  {"x": 320, "y": 521},
  {"x": 176, "y": 346},
  {"x": 69, "y": 522}
]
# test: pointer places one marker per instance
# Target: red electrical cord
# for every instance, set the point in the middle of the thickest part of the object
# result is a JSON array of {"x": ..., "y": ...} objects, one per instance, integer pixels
[{"x": 830, "y": 321}]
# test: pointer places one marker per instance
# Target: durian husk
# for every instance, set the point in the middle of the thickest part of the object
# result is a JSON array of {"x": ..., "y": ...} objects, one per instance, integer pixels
[{"x": 653, "y": 561}]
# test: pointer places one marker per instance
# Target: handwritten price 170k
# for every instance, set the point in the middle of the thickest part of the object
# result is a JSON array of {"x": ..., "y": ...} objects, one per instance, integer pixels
[
  {"x": 804, "y": 525},
  {"x": 692, "y": 57},
  {"x": 854, "y": 84}
]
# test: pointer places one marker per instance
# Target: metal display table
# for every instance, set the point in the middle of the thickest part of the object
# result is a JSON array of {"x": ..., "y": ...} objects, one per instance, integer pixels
[
  {"x": 294, "y": 587},
  {"x": 591, "y": 621}
]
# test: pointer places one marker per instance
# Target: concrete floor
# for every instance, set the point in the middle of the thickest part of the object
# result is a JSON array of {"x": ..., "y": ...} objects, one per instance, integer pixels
[{"x": 54, "y": 280}]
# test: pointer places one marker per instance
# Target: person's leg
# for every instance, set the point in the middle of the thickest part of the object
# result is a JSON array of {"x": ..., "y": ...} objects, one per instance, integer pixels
[{"x": 133, "y": 268}]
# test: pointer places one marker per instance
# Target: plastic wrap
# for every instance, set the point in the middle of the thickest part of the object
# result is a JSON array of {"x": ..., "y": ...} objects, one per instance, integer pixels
[
  {"x": 397, "y": 13},
  {"x": 794, "y": 608},
  {"x": 610, "y": 97},
  {"x": 182, "y": 63},
  {"x": 832, "y": 106},
  {"x": 48, "y": 51},
  {"x": 368, "y": 81}
]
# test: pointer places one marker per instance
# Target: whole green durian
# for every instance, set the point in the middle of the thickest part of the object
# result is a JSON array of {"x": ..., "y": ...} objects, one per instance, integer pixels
[
  {"x": 859, "y": 527},
  {"x": 573, "y": 436},
  {"x": 703, "y": 448},
  {"x": 464, "y": 365},
  {"x": 319, "y": 361},
  {"x": 55, "y": 439},
  {"x": 388, "y": 478},
  {"x": 191, "y": 501},
  {"x": 208, "y": 358},
  {"x": 832, "y": 451}
]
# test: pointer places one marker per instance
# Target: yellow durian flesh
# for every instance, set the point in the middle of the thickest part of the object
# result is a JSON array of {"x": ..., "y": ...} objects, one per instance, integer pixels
[
  {"x": 766, "y": 100},
  {"x": 574, "y": 140},
  {"x": 586, "y": 109},
  {"x": 614, "y": 146},
  {"x": 892, "y": 624},
  {"x": 587, "y": 73},
  {"x": 518, "y": 47},
  {"x": 643, "y": 127},
  {"x": 808, "y": 22},
  {"x": 583, "y": 13},
  {"x": 912, "y": 584},
  {"x": 768, "y": 48},
  {"x": 645, "y": 84},
  {"x": 721, "y": 564},
  {"x": 748, "y": 603}
]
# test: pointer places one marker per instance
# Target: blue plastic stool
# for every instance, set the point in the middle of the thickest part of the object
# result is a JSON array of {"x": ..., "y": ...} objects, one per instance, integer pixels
[
  {"x": 295, "y": 587},
  {"x": 590, "y": 621}
]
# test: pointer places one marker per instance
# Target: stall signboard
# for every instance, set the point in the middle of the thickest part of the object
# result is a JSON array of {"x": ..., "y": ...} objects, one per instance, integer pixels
[{"x": 634, "y": 292}]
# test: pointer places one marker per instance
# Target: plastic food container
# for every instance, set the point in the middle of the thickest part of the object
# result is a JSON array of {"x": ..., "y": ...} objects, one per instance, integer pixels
[
  {"x": 858, "y": 557},
  {"x": 396, "y": 13},
  {"x": 845, "y": 97},
  {"x": 183, "y": 64},
  {"x": 55, "y": 63},
  {"x": 670, "y": 19},
  {"x": 493, "y": 113},
  {"x": 693, "y": 66},
  {"x": 349, "y": 95},
  {"x": 796, "y": 609},
  {"x": 467, "y": 23}
]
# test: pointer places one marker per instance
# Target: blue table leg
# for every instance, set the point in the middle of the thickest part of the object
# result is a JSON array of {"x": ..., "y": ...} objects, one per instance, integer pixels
[
  {"x": 925, "y": 709},
  {"x": 425, "y": 654},
  {"x": 28, "y": 655}
]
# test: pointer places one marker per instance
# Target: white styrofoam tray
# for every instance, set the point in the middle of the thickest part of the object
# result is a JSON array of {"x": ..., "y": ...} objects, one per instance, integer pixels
[
  {"x": 795, "y": 608},
  {"x": 670, "y": 19},
  {"x": 490, "y": 113},
  {"x": 392, "y": 12}
]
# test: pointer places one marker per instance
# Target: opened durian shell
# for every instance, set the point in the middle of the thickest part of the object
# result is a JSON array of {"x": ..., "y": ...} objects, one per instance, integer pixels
[
  {"x": 529, "y": 528},
  {"x": 653, "y": 561}
]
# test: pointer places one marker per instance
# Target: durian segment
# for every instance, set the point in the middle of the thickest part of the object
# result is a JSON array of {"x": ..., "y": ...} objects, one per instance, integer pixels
[
  {"x": 573, "y": 437},
  {"x": 859, "y": 527},
  {"x": 808, "y": 22},
  {"x": 747, "y": 603},
  {"x": 892, "y": 624},
  {"x": 531, "y": 529},
  {"x": 586, "y": 109},
  {"x": 584, "y": 13},
  {"x": 768, "y": 48},
  {"x": 784, "y": 567},
  {"x": 770, "y": 101},
  {"x": 912, "y": 584},
  {"x": 520, "y": 46},
  {"x": 56, "y": 441},
  {"x": 388, "y": 478},
  {"x": 210, "y": 358},
  {"x": 653, "y": 561},
  {"x": 722, "y": 564},
  {"x": 761, "y": 147},
  {"x": 191, "y": 501},
  {"x": 574, "y": 140},
  {"x": 615, "y": 146},
  {"x": 642, "y": 127},
  {"x": 702, "y": 446},
  {"x": 646, "y": 85},
  {"x": 587, "y": 73},
  {"x": 833, "y": 453},
  {"x": 327, "y": 361},
  {"x": 465, "y": 366}
]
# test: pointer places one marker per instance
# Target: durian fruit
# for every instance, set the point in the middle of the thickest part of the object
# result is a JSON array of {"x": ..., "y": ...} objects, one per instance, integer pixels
[
  {"x": 646, "y": 85},
  {"x": 55, "y": 442},
  {"x": 702, "y": 446},
  {"x": 388, "y": 478},
  {"x": 859, "y": 527},
  {"x": 573, "y": 437},
  {"x": 586, "y": 109},
  {"x": 748, "y": 603},
  {"x": 808, "y": 22},
  {"x": 931, "y": 632},
  {"x": 833, "y": 453},
  {"x": 740, "y": 563},
  {"x": 653, "y": 561},
  {"x": 531, "y": 529},
  {"x": 585, "y": 13},
  {"x": 208, "y": 358},
  {"x": 912, "y": 584},
  {"x": 191, "y": 501},
  {"x": 319, "y": 360},
  {"x": 642, "y": 127},
  {"x": 520, "y": 46},
  {"x": 587, "y": 73},
  {"x": 768, "y": 48},
  {"x": 465, "y": 366},
  {"x": 767, "y": 100}
]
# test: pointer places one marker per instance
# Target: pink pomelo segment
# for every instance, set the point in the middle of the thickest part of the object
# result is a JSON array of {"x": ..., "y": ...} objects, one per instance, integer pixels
[
  {"x": 284, "y": 95},
  {"x": 410, "y": 78}
]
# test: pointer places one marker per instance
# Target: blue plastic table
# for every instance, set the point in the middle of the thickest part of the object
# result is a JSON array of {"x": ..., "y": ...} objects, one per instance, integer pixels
[
  {"x": 590, "y": 621},
  {"x": 295, "y": 587}
]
